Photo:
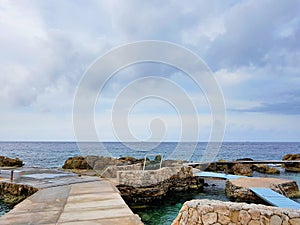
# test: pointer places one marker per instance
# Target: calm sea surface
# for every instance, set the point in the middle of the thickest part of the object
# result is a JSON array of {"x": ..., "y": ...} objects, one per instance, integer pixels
[{"x": 53, "y": 155}]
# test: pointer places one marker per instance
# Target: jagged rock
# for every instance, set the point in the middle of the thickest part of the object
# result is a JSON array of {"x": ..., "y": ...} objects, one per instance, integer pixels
[
  {"x": 245, "y": 159},
  {"x": 157, "y": 158},
  {"x": 291, "y": 167},
  {"x": 100, "y": 163},
  {"x": 261, "y": 168},
  {"x": 144, "y": 187},
  {"x": 242, "y": 169},
  {"x": 212, "y": 167},
  {"x": 128, "y": 160},
  {"x": 77, "y": 162},
  {"x": 5, "y": 161},
  {"x": 239, "y": 189},
  {"x": 14, "y": 193}
]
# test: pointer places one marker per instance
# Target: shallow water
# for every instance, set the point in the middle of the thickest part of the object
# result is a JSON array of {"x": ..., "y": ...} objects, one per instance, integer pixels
[
  {"x": 4, "y": 208},
  {"x": 167, "y": 212}
]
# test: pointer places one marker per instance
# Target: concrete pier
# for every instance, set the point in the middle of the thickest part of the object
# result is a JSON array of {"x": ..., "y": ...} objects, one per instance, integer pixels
[{"x": 71, "y": 200}]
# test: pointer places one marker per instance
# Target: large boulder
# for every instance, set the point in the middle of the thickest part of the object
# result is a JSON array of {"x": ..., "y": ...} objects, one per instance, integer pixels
[
  {"x": 240, "y": 189},
  {"x": 242, "y": 169},
  {"x": 5, "y": 161},
  {"x": 261, "y": 168},
  {"x": 94, "y": 162},
  {"x": 77, "y": 162},
  {"x": 292, "y": 167}
]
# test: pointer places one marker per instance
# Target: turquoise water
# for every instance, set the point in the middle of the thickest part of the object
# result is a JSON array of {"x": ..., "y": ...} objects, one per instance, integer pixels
[
  {"x": 165, "y": 213},
  {"x": 4, "y": 208}
]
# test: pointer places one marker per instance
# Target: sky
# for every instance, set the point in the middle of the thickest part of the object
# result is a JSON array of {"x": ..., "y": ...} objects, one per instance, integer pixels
[{"x": 251, "y": 47}]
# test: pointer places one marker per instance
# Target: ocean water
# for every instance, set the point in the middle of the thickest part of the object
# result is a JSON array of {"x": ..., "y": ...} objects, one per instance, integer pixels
[{"x": 53, "y": 155}]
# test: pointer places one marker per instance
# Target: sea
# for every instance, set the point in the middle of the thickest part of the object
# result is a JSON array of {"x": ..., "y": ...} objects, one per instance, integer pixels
[{"x": 54, "y": 154}]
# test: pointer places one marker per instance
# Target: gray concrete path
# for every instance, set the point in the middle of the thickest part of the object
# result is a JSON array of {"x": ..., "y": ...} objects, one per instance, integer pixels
[{"x": 91, "y": 202}]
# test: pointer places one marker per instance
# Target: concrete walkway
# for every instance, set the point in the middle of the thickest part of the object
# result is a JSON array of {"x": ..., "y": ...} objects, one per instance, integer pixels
[{"x": 94, "y": 202}]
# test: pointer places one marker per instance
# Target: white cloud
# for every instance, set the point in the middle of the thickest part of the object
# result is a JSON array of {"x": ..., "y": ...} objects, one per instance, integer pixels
[{"x": 47, "y": 45}]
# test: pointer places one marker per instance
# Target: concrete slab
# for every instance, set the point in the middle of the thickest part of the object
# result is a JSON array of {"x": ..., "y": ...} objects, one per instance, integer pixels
[
  {"x": 93, "y": 197},
  {"x": 49, "y": 217},
  {"x": 89, "y": 201},
  {"x": 114, "y": 221},
  {"x": 94, "y": 214},
  {"x": 91, "y": 187}
]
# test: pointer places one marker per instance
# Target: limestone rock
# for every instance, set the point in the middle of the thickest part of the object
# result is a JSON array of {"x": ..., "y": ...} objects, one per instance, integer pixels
[
  {"x": 265, "y": 169},
  {"x": 144, "y": 187},
  {"x": 239, "y": 189},
  {"x": 292, "y": 167},
  {"x": 77, "y": 162},
  {"x": 242, "y": 169},
  {"x": 9, "y": 162},
  {"x": 209, "y": 218},
  {"x": 275, "y": 220},
  {"x": 244, "y": 217},
  {"x": 239, "y": 214}
]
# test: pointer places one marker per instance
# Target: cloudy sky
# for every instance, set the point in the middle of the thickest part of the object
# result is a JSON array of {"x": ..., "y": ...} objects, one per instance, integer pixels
[{"x": 252, "y": 48}]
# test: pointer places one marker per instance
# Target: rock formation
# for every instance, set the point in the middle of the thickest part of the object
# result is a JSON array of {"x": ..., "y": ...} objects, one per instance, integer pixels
[
  {"x": 238, "y": 189},
  {"x": 242, "y": 169},
  {"x": 292, "y": 167},
  {"x": 145, "y": 187},
  {"x": 261, "y": 168},
  {"x": 9, "y": 162}
]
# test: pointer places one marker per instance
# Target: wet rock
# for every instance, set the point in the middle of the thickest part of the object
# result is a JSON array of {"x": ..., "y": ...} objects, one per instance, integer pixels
[
  {"x": 145, "y": 187},
  {"x": 13, "y": 193},
  {"x": 9, "y": 162},
  {"x": 242, "y": 169},
  {"x": 239, "y": 189},
  {"x": 77, "y": 162},
  {"x": 245, "y": 159},
  {"x": 292, "y": 167},
  {"x": 261, "y": 168},
  {"x": 212, "y": 167}
]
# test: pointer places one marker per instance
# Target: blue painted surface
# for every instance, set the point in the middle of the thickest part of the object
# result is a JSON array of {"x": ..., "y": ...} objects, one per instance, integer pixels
[
  {"x": 275, "y": 198},
  {"x": 218, "y": 175}
]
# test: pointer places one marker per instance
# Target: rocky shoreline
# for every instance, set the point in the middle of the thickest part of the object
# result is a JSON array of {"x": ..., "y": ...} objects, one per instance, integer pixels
[
  {"x": 155, "y": 184},
  {"x": 148, "y": 187},
  {"x": 239, "y": 189},
  {"x": 13, "y": 193},
  {"x": 152, "y": 186}
]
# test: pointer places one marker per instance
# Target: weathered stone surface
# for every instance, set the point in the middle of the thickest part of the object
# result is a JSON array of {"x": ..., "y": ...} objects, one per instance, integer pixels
[
  {"x": 291, "y": 167},
  {"x": 13, "y": 193},
  {"x": 234, "y": 216},
  {"x": 239, "y": 213},
  {"x": 242, "y": 169},
  {"x": 261, "y": 168},
  {"x": 295, "y": 221},
  {"x": 209, "y": 218},
  {"x": 238, "y": 189},
  {"x": 254, "y": 213},
  {"x": 142, "y": 187},
  {"x": 111, "y": 171},
  {"x": 222, "y": 219},
  {"x": 9, "y": 162},
  {"x": 77, "y": 162},
  {"x": 254, "y": 222},
  {"x": 275, "y": 220},
  {"x": 244, "y": 217}
]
